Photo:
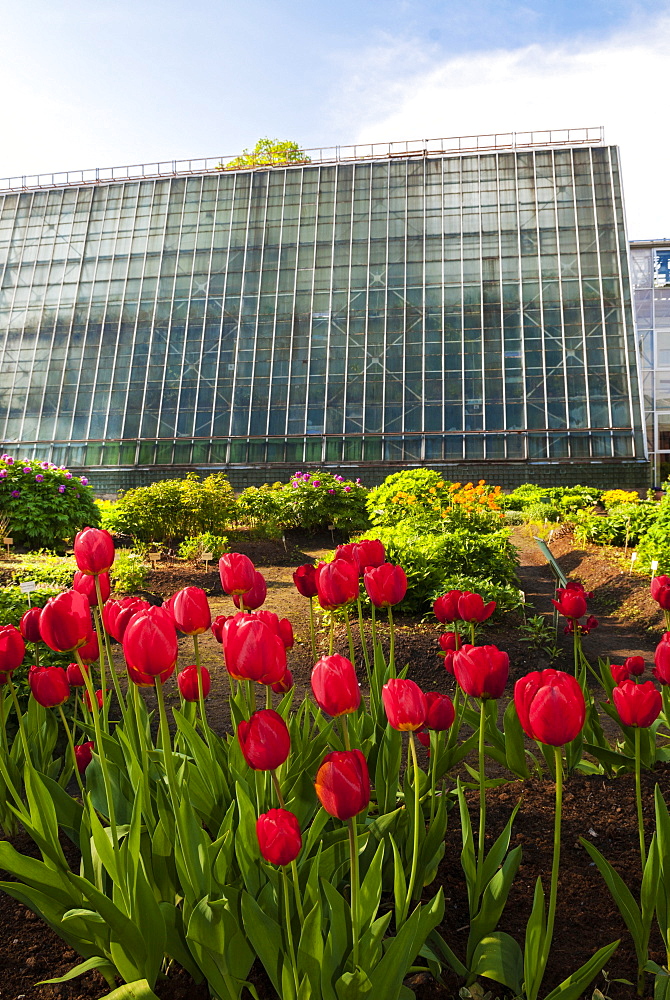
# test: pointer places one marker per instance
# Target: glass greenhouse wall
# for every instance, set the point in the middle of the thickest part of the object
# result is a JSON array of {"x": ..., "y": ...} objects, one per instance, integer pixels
[{"x": 465, "y": 312}]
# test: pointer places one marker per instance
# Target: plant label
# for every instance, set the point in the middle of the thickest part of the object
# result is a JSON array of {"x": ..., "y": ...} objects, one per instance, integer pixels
[
  {"x": 207, "y": 556},
  {"x": 27, "y": 586},
  {"x": 7, "y": 541},
  {"x": 154, "y": 557},
  {"x": 654, "y": 565}
]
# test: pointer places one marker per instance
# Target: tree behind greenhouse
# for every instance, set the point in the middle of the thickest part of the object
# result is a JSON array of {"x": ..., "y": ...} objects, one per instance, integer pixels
[{"x": 267, "y": 153}]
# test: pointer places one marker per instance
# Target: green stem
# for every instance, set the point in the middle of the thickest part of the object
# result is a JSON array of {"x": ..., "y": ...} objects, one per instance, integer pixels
[
  {"x": 268, "y": 696},
  {"x": 458, "y": 718},
  {"x": 3, "y": 723},
  {"x": 638, "y": 799},
  {"x": 391, "y": 641},
  {"x": 110, "y": 660},
  {"x": 364, "y": 643},
  {"x": 417, "y": 818},
  {"x": 100, "y": 747},
  {"x": 70, "y": 743},
  {"x": 36, "y": 653},
  {"x": 350, "y": 636},
  {"x": 353, "y": 850},
  {"x": 558, "y": 752},
  {"x": 294, "y": 867},
  {"x": 289, "y": 931},
  {"x": 101, "y": 658},
  {"x": 472, "y": 632},
  {"x": 434, "y": 746},
  {"x": 332, "y": 635},
  {"x": 201, "y": 695},
  {"x": 17, "y": 709},
  {"x": 312, "y": 636},
  {"x": 345, "y": 731},
  {"x": 482, "y": 798},
  {"x": 457, "y": 639},
  {"x": 575, "y": 646}
]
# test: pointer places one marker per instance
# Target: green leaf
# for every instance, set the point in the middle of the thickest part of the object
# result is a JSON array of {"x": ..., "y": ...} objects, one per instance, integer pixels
[
  {"x": 139, "y": 990},
  {"x": 353, "y": 985},
  {"x": 103, "y": 965},
  {"x": 573, "y": 987},
  {"x": 493, "y": 902},
  {"x": 535, "y": 933},
  {"x": 515, "y": 752},
  {"x": 371, "y": 888},
  {"x": 266, "y": 938},
  {"x": 622, "y": 896},
  {"x": 499, "y": 957}
]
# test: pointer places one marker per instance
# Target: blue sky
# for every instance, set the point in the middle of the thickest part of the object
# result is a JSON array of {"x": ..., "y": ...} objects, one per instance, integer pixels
[{"x": 97, "y": 84}]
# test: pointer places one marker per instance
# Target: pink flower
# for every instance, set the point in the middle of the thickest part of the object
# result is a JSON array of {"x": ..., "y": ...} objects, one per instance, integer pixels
[
  {"x": 68, "y": 475},
  {"x": 61, "y": 489},
  {"x": 84, "y": 481},
  {"x": 39, "y": 478},
  {"x": 15, "y": 493},
  {"x": 27, "y": 470}
]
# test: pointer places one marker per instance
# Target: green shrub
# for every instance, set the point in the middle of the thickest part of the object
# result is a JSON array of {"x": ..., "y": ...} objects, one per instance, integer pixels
[
  {"x": 128, "y": 572},
  {"x": 14, "y": 604},
  {"x": 433, "y": 503},
  {"x": 176, "y": 508},
  {"x": 542, "y": 512},
  {"x": 566, "y": 498},
  {"x": 46, "y": 568},
  {"x": 193, "y": 548},
  {"x": 45, "y": 505},
  {"x": 314, "y": 500},
  {"x": 109, "y": 515},
  {"x": 262, "y": 505},
  {"x": 629, "y": 522}
]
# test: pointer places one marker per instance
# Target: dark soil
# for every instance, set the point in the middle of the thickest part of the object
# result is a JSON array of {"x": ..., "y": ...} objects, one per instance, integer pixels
[{"x": 595, "y": 808}]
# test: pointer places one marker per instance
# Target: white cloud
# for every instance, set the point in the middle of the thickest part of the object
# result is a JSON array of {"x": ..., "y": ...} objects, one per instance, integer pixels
[{"x": 618, "y": 82}]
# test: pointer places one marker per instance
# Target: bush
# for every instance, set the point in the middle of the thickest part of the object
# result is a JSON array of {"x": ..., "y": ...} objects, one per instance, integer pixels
[
  {"x": 262, "y": 505},
  {"x": 45, "y": 505},
  {"x": 46, "y": 568},
  {"x": 128, "y": 572},
  {"x": 14, "y": 604},
  {"x": 542, "y": 512},
  {"x": 625, "y": 522},
  {"x": 314, "y": 500},
  {"x": 428, "y": 499},
  {"x": 176, "y": 508},
  {"x": 614, "y": 498},
  {"x": 193, "y": 548},
  {"x": 566, "y": 499}
]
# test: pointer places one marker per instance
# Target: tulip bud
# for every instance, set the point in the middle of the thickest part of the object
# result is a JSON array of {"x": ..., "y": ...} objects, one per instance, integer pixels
[
  {"x": 117, "y": 615},
  {"x": 336, "y": 583},
  {"x": 30, "y": 625},
  {"x": 255, "y": 596},
  {"x": 423, "y": 736},
  {"x": 285, "y": 684},
  {"x": 305, "y": 580},
  {"x": 662, "y": 661},
  {"x": 660, "y": 591},
  {"x": 449, "y": 642},
  {"x": 638, "y": 705},
  {"x": 368, "y": 552},
  {"x": 217, "y": 626},
  {"x": 571, "y": 602},
  {"x": 190, "y": 610},
  {"x": 264, "y": 740},
  {"x": 150, "y": 646},
  {"x": 94, "y": 550},
  {"x": 12, "y": 648},
  {"x": 481, "y": 671},
  {"x": 550, "y": 705},
  {"x": 335, "y": 685},
  {"x": 386, "y": 585},
  {"x": 90, "y": 651},
  {"x": 237, "y": 573},
  {"x": 65, "y": 622},
  {"x": 187, "y": 681},
  {"x": 446, "y": 607},
  {"x": 252, "y": 651},
  {"x": 98, "y": 698},
  {"x": 471, "y": 607},
  {"x": 279, "y": 840},
  {"x": 404, "y": 704},
  {"x": 83, "y": 755},
  {"x": 620, "y": 672},
  {"x": 49, "y": 685},
  {"x": 343, "y": 784},
  {"x": 85, "y": 584},
  {"x": 440, "y": 711},
  {"x": 635, "y": 665},
  {"x": 286, "y": 633},
  {"x": 74, "y": 675}
]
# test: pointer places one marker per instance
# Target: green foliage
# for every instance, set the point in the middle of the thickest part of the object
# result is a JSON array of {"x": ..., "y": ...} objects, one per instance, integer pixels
[
  {"x": 14, "y": 604},
  {"x": 267, "y": 153},
  {"x": 176, "y": 508},
  {"x": 566, "y": 498},
  {"x": 46, "y": 568},
  {"x": 128, "y": 574},
  {"x": 193, "y": 548},
  {"x": 655, "y": 544},
  {"x": 45, "y": 505},
  {"x": 624, "y": 522},
  {"x": 417, "y": 489},
  {"x": 315, "y": 500},
  {"x": 109, "y": 513},
  {"x": 435, "y": 563},
  {"x": 262, "y": 505},
  {"x": 543, "y": 512}
]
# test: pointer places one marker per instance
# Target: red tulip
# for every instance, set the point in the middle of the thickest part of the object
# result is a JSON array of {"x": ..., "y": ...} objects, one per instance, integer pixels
[
  {"x": 660, "y": 591},
  {"x": 571, "y": 603},
  {"x": 449, "y": 642},
  {"x": 98, "y": 698},
  {"x": 30, "y": 625},
  {"x": 187, "y": 680},
  {"x": 343, "y": 783},
  {"x": 637, "y": 704},
  {"x": 662, "y": 660},
  {"x": 335, "y": 685},
  {"x": 264, "y": 740},
  {"x": 446, "y": 607},
  {"x": 368, "y": 552},
  {"x": 150, "y": 646},
  {"x": 12, "y": 648},
  {"x": 255, "y": 596},
  {"x": 85, "y": 584},
  {"x": 143, "y": 679},
  {"x": 237, "y": 573},
  {"x": 74, "y": 675},
  {"x": 116, "y": 615},
  {"x": 405, "y": 704},
  {"x": 386, "y": 585},
  {"x": 190, "y": 610},
  {"x": 90, "y": 651},
  {"x": 83, "y": 755},
  {"x": 423, "y": 736},
  {"x": 94, "y": 550},
  {"x": 280, "y": 626},
  {"x": 285, "y": 684},
  {"x": 550, "y": 706},
  {"x": 620, "y": 672},
  {"x": 252, "y": 651},
  {"x": 471, "y": 607},
  {"x": 336, "y": 583},
  {"x": 278, "y": 832},
  {"x": 65, "y": 622},
  {"x": 347, "y": 552},
  {"x": 305, "y": 580},
  {"x": 440, "y": 714},
  {"x": 49, "y": 685},
  {"x": 635, "y": 665},
  {"x": 481, "y": 671},
  {"x": 217, "y": 626}
]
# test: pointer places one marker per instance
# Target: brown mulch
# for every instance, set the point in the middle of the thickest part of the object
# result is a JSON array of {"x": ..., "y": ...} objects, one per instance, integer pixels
[{"x": 600, "y": 810}]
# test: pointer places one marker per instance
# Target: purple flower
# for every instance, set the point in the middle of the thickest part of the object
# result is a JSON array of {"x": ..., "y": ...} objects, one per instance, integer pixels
[
  {"x": 317, "y": 482},
  {"x": 9, "y": 460},
  {"x": 331, "y": 491},
  {"x": 15, "y": 493},
  {"x": 61, "y": 489},
  {"x": 45, "y": 465},
  {"x": 27, "y": 470},
  {"x": 68, "y": 475},
  {"x": 295, "y": 485},
  {"x": 39, "y": 478},
  {"x": 3, "y": 473},
  {"x": 347, "y": 489},
  {"x": 84, "y": 481},
  {"x": 358, "y": 482},
  {"x": 306, "y": 477}
]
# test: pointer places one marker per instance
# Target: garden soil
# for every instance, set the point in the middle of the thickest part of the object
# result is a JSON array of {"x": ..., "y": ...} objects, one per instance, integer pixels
[{"x": 597, "y": 809}]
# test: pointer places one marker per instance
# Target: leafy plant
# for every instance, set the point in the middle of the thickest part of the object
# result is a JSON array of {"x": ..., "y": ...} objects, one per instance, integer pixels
[
  {"x": 267, "y": 152},
  {"x": 46, "y": 568},
  {"x": 193, "y": 548},
  {"x": 313, "y": 500},
  {"x": 45, "y": 505},
  {"x": 176, "y": 508},
  {"x": 624, "y": 523},
  {"x": 128, "y": 573}
]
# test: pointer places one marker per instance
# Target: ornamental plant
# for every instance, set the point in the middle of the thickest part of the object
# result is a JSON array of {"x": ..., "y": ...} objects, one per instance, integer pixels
[
  {"x": 317, "y": 500},
  {"x": 46, "y": 505}
]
